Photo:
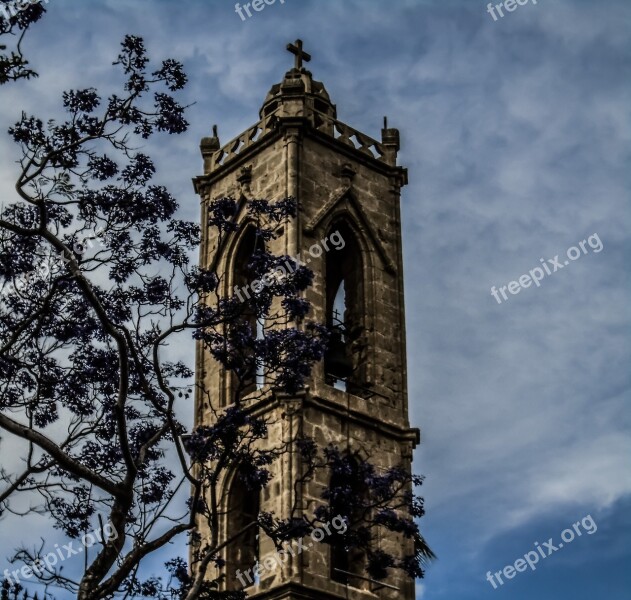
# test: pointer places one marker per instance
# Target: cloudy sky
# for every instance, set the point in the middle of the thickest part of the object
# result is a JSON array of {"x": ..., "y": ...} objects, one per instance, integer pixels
[{"x": 516, "y": 133}]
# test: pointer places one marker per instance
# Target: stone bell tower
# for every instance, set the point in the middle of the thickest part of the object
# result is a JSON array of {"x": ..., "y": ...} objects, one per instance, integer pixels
[{"x": 349, "y": 186}]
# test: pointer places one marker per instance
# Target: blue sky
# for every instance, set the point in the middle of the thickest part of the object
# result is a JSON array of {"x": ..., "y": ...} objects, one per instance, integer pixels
[{"x": 516, "y": 133}]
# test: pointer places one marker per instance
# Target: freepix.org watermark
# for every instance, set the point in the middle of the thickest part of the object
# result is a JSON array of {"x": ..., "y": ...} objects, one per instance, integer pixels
[
  {"x": 45, "y": 564},
  {"x": 542, "y": 551},
  {"x": 257, "y": 5},
  {"x": 547, "y": 267},
  {"x": 508, "y": 5},
  {"x": 273, "y": 561},
  {"x": 11, "y": 9},
  {"x": 255, "y": 287}
]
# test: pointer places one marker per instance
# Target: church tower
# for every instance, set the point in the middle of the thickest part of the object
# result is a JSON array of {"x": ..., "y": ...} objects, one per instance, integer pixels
[{"x": 349, "y": 188}]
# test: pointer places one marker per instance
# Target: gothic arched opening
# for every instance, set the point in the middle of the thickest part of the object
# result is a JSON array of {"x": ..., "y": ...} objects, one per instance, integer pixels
[
  {"x": 347, "y": 559},
  {"x": 244, "y": 377},
  {"x": 345, "y": 311},
  {"x": 242, "y": 554}
]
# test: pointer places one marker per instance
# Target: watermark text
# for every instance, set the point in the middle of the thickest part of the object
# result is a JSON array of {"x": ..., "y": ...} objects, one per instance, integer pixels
[{"x": 541, "y": 551}]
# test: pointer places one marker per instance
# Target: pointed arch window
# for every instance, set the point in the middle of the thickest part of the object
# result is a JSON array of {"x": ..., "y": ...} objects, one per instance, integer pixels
[
  {"x": 244, "y": 381},
  {"x": 346, "y": 560},
  {"x": 243, "y": 552},
  {"x": 345, "y": 313}
]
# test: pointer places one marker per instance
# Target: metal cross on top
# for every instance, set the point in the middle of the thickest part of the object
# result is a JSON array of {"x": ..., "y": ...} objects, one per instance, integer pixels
[{"x": 300, "y": 54}]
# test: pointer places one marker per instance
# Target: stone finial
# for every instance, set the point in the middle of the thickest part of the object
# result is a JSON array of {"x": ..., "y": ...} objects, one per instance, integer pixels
[
  {"x": 208, "y": 147},
  {"x": 245, "y": 176},
  {"x": 210, "y": 144},
  {"x": 348, "y": 173},
  {"x": 391, "y": 141}
]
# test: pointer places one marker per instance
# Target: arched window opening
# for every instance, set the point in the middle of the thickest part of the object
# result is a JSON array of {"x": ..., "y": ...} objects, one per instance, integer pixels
[
  {"x": 243, "y": 551},
  {"x": 244, "y": 381},
  {"x": 347, "y": 560},
  {"x": 344, "y": 364}
]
